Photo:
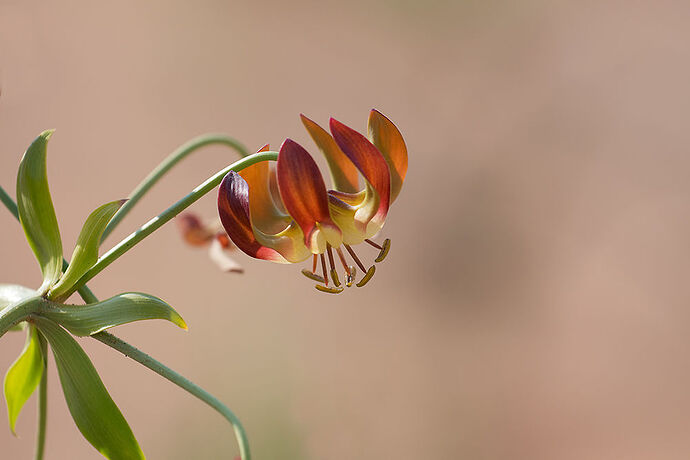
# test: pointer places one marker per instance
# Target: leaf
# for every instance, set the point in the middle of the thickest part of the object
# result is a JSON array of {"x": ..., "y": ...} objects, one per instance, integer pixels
[
  {"x": 13, "y": 293},
  {"x": 86, "y": 251},
  {"x": 23, "y": 376},
  {"x": 93, "y": 411},
  {"x": 124, "y": 308},
  {"x": 36, "y": 212}
]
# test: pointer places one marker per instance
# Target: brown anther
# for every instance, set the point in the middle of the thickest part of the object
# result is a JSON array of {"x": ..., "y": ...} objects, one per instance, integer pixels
[
  {"x": 313, "y": 276},
  {"x": 330, "y": 290},
  {"x": 343, "y": 261},
  {"x": 384, "y": 251},
  {"x": 323, "y": 267},
  {"x": 354, "y": 256},
  {"x": 367, "y": 277},
  {"x": 373, "y": 244},
  {"x": 334, "y": 275}
]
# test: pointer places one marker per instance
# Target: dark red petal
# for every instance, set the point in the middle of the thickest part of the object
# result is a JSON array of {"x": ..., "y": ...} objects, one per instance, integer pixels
[
  {"x": 302, "y": 189},
  {"x": 233, "y": 208},
  {"x": 368, "y": 160}
]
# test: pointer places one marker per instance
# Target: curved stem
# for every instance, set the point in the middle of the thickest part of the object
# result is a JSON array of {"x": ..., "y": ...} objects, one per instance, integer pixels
[
  {"x": 167, "y": 164},
  {"x": 42, "y": 404},
  {"x": 158, "y": 221},
  {"x": 144, "y": 359},
  {"x": 9, "y": 203}
]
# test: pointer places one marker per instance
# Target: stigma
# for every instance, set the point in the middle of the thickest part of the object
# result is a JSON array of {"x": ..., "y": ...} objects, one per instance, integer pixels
[{"x": 329, "y": 278}]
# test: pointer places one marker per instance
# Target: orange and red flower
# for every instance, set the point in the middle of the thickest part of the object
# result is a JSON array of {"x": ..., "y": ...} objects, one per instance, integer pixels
[{"x": 285, "y": 214}]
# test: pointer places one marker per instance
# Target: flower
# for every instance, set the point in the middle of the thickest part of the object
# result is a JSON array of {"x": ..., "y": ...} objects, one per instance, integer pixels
[
  {"x": 285, "y": 214},
  {"x": 196, "y": 233}
]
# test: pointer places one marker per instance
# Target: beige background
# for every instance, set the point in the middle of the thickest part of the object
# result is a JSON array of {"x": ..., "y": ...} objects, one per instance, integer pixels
[{"x": 535, "y": 304}]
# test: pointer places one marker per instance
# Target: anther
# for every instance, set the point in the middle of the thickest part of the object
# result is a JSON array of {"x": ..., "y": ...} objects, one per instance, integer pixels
[
  {"x": 354, "y": 256},
  {"x": 331, "y": 264},
  {"x": 313, "y": 276},
  {"x": 384, "y": 250},
  {"x": 351, "y": 275},
  {"x": 334, "y": 275},
  {"x": 330, "y": 290},
  {"x": 323, "y": 267},
  {"x": 367, "y": 277}
]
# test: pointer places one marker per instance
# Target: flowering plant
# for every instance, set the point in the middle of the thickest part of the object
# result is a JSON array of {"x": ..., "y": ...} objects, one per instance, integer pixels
[{"x": 282, "y": 214}]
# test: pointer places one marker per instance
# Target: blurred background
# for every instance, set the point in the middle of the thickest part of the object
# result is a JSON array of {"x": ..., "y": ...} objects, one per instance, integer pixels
[{"x": 535, "y": 303}]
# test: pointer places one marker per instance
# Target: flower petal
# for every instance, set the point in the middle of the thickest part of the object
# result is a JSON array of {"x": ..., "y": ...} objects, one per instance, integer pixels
[
  {"x": 271, "y": 224},
  {"x": 386, "y": 137},
  {"x": 233, "y": 208},
  {"x": 371, "y": 163},
  {"x": 304, "y": 195},
  {"x": 343, "y": 172}
]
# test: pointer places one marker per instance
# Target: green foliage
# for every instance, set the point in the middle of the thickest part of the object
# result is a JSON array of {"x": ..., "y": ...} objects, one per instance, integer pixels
[
  {"x": 93, "y": 411},
  {"x": 125, "y": 308},
  {"x": 36, "y": 212},
  {"x": 13, "y": 293},
  {"x": 23, "y": 376},
  {"x": 86, "y": 251}
]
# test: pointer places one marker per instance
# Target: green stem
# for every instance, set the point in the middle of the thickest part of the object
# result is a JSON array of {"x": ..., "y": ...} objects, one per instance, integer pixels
[
  {"x": 167, "y": 164},
  {"x": 42, "y": 404},
  {"x": 7, "y": 318},
  {"x": 158, "y": 221},
  {"x": 144, "y": 359},
  {"x": 9, "y": 203}
]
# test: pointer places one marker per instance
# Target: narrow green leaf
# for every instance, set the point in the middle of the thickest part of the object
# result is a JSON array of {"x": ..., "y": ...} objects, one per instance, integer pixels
[
  {"x": 93, "y": 411},
  {"x": 36, "y": 212},
  {"x": 23, "y": 376},
  {"x": 13, "y": 293},
  {"x": 124, "y": 308},
  {"x": 86, "y": 251}
]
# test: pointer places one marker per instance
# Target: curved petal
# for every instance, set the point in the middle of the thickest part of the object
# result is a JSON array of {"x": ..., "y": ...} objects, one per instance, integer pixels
[
  {"x": 304, "y": 195},
  {"x": 272, "y": 227},
  {"x": 386, "y": 137},
  {"x": 371, "y": 163},
  {"x": 233, "y": 208},
  {"x": 343, "y": 172}
]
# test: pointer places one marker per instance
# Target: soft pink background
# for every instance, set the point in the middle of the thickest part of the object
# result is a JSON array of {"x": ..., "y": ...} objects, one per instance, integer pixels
[{"x": 535, "y": 304}]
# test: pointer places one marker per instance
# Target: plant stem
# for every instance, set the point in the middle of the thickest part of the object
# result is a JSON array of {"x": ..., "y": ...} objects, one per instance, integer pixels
[
  {"x": 155, "y": 175},
  {"x": 9, "y": 203},
  {"x": 142, "y": 358},
  {"x": 42, "y": 404},
  {"x": 158, "y": 221},
  {"x": 179, "y": 380}
]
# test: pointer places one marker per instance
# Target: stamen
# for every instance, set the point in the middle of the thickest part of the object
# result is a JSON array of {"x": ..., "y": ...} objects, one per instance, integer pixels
[
  {"x": 331, "y": 264},
  {"x": 374, "y": 244},
  {"x": 351, "y": 276},
  {"x": 354, "y": 256},
  {"x": 323, "y": 267},
  {"x": 367, "y": 277},
  {"x": 384, "y": 250},
  {"x": 343, "y": 261},
  {"x": 313, "y": 276},
  {"x": 313, "y": 265},
  {"x": 330, "y": 290}
]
